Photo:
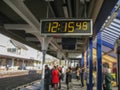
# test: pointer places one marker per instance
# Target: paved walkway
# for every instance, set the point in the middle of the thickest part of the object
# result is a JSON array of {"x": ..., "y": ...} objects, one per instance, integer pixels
[
  {"x": 34, "y": 86},
  {"x": 76, "y": 86}
]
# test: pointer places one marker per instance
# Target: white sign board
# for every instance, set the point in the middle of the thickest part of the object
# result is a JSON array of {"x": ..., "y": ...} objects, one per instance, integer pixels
[{"x": 74, "y": 55}]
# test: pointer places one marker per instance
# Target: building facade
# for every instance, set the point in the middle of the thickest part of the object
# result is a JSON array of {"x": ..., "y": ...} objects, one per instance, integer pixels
[{"x": 17, "y": 56}]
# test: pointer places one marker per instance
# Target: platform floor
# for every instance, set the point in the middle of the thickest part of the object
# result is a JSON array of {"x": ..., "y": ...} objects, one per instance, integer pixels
[{"x": 76, "y": 86}]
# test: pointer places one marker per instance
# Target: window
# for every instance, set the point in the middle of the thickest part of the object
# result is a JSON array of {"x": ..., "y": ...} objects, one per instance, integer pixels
[{"x": 12, "y": 50}]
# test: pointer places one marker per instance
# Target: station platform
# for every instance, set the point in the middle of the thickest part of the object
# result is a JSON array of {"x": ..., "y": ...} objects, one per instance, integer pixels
[{"x": 76, "y": 86}]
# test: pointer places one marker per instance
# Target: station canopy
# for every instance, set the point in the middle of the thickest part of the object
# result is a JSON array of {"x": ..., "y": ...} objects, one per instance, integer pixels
[
  {"x": 20, "y": 20},
  {"x": 110, "y": 31}
]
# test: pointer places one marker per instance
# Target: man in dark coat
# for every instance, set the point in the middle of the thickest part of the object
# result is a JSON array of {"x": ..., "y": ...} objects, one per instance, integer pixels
[
  {"x": 47, "y": 79},
  {"x": 69, "y": 79}
]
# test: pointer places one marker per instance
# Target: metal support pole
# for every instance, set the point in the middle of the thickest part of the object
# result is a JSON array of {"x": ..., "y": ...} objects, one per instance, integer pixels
[
  {"x": 91, "y": 65},
  {"x": 45, "y": 42},
  {"x": 118, "y": 63},
  {"x": 60, "y": 62},
  {"x": 59, "y": 55},
  {"x": 82, "y": 61},
  {"x": 43, "y": 69},
  {"x": 23, "y": 64},
  {"x": 68, "y": 63},
  {"x": 13, "y": 61},
  {"x": 118, "y": 73},
  {"x": 43, "y": 58},
  {"x": 74, "y": 63},
  {"x": 65, "y": 62},
  {"x": 99, "y": 62},
  {"x": 87, "y": 57}
]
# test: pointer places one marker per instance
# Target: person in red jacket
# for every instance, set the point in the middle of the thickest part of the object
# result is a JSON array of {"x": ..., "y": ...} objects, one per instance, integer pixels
[{"x": 55, "y": 78}]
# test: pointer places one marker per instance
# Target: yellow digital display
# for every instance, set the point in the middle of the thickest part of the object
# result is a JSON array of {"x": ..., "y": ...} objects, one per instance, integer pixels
[{"x": 66, "y": 27}]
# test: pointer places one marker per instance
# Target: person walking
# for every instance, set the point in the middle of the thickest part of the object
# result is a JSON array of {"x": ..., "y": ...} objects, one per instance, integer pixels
[
  {"x": 55, "y": 78},
  {"x": 69, "y": 79},
  {"x": 81, "y": 77},
  {"x": 108, "y": 80}
]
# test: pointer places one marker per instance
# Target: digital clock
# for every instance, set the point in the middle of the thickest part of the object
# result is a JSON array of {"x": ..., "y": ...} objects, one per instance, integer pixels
[{"x": 66, "y": 27}]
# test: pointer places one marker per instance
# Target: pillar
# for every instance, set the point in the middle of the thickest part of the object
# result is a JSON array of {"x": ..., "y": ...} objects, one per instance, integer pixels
[
  {"x": 65, "y": 62},
  {"x": 82, "y": 60},
  {"x": 118, "y": 63},
  {"x": 74, "y": 63},
  {"x": 99, "y": 62},
  {"x": 23, "y": 65},
  {"x": 45, "y": 42},
  {"x": 60, "y": 62},
  {"x": 13, "y": 62},
  {"x": 59, "y": 55},
  {"x": 87, "y": 57},
  {"x": 69, "y": 63},
  {"x": 90, "y": 64}
]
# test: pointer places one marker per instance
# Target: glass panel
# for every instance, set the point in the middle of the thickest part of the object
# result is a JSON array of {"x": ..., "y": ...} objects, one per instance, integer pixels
[
  {"x": 108, "y": 41},
  {"x": 105, "y": 31},
  {"x": 108, "y": 35},
  {"x": 116, "y": 20},
  {"x": 108, "y": 38},
  {"x": 114, "y": 24},
  {"x": 115, "y": 28},
  {"x": 113, "y": 31}
]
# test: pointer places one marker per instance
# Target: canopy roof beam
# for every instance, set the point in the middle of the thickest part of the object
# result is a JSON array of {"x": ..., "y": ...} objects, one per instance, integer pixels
[{"x": 20, "y": 8}]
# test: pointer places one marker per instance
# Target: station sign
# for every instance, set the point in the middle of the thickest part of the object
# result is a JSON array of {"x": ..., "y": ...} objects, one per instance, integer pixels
[
  {"x": 66, "y": 27},
  {"x": 74, "y": 55}
]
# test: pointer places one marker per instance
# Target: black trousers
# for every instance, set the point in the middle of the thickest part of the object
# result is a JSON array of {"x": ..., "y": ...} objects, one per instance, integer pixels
[
  {"x": 104, "y": 87},
  {"x": 82, "y": 81},
  {"x": 59, "y": 85},
  {"x": 46, "y": 85}
]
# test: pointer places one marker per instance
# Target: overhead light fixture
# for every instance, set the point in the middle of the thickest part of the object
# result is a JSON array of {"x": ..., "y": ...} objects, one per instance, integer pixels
[{"x": 65, "y": 11}]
